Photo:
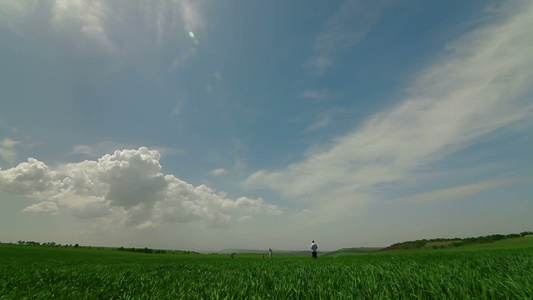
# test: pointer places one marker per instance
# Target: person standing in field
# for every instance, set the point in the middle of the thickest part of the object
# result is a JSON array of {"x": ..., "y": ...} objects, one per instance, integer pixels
[
  {"x": 270, "y": 253},
  {"x": 314, "y": 249}
]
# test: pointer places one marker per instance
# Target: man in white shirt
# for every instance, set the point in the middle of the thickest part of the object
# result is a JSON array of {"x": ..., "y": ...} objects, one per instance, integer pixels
[{"x": 314, "y": 249}]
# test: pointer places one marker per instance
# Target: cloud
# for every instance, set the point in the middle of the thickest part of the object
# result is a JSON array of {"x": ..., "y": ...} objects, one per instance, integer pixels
[
  {"x": 83, "y": 22},
  {"x": 15, "y": 14},
  {"x": 98, "y": 149},
  {"x": 185, "y": 203},
  {"x": 479, "y": 87},
  {"x": 45, "y": 207},
  {"x": 318, "y": 95},
  {"x": 128, "y": 188},
  {"x": 218, "y": 172},
  {"x": 116, "y": 28},
  {"x": 133, "y": 177},
  {"x": 325, "y": 117},
  {"x": 245, "y": 218},
  {"x": 32, "y": 178},
  {"x": 323, "y": 122},
  {"x": 342, "y": 31},
  {"x": 146, "y": 225},
  {"x": 88, "y": 207},
  {"x": 177, "y": 108},
  {"x": 183, "y": 56},
  {"x": 456, "y": 192},
  {"x": 8, "y": 143},
  {"x": 85, "y": 150},
  {"x": 7, "y": 150}
]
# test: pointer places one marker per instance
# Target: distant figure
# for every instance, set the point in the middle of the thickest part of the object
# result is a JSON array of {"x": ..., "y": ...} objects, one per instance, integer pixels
[
  {"x": 262, "y": 256},
  {"x": 233, "y": 255},
  {"x": 314, "y": 249},
  {"x": 270, "y": 252}
]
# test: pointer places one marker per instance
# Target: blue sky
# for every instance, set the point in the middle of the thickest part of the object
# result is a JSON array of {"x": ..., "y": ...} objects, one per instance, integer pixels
[{"x": 205, "y": 125}]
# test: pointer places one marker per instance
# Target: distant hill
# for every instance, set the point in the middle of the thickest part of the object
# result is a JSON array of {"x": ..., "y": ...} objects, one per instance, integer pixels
[{"x": 454, "y": 242}]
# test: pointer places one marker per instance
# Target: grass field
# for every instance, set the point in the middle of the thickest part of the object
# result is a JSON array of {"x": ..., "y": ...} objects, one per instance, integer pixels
[{"x": 498, "y": 271}]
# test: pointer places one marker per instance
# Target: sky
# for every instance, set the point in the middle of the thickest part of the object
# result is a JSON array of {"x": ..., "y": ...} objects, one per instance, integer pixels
[{"x": 208, "y": 125}]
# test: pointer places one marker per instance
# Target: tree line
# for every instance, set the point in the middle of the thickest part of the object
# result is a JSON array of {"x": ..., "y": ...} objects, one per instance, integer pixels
[
  {"x": 156, "y": 251},
  {"x": 48, "y": 244},
  {"x": 137, "y": 250}
]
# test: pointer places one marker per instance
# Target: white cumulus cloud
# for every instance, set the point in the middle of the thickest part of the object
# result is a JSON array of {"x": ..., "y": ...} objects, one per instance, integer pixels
[
  {"x": 31, "y": 178},
  {"x": 128, "y": 188}
]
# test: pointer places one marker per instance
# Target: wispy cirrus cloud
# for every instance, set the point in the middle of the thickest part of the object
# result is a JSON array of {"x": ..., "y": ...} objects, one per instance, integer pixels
[
  {"x": 7, "y": 150},
  {"x": 97, "y": 149},
  {"x": 218, "y": 172},
  {"x": 341, "y": 31},
  {"x": 480, "y": 86},
  {"x": 101, "y": 148},
  {"x": 83, "y": 22},
  {"x": 105, "y": 26},
  {"x": 456, "y": 192},
  {"x": 324, "y": 118},
  {"x": 317, "y": 94}
]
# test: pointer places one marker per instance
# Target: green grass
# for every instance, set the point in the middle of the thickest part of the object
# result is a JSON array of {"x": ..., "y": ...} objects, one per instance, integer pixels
[{"x": 36, "y": 272}]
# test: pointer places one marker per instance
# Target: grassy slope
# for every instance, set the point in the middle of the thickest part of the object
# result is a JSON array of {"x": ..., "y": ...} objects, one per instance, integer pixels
[{"x": 514, "y": 243}]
